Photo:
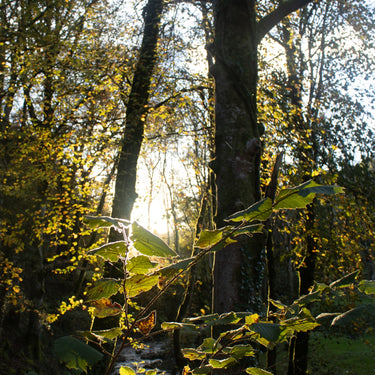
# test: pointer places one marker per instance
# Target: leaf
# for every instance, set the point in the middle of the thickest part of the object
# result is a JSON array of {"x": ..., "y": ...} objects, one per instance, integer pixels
[
  {"x": 103, "y": 288},
  {"x": 345, "y": 281},
  {"x": 126, "y": 370},
  {"x": 147, "y": 324},
  {"x": 240, "y": 351},
  {"x": 76, "y": 354},
  {"x": 261, "y": 211},
  {"x": 367, "y": 286},
  {"x": 308, "y": 298},
  {"x": 193, "y": 354},
  {"x": 104, "y": 308},
  {"x": 178, "y": 325},
  {"x": 208, "y": 346},
  {"x": 140, "y": 283},
  {"x": 109, "y": 334},
  {"x": 111, "y": 251},
  {"x": 149, "y": 244},
  {"x": 174, "y": 268},
  {"x": 302, "y": 195},
  {"x": 257, "y": 371},
  {"x": 208, "y": 238},
  {"x": 269, "y": 331},
  {"x": 140, "y": 265},
  {"x": 349, "y": 316},
  {"x": 95, "y": 222},
  {"x": 249, "y": 230},
  {"x": 222, "y": 363}
]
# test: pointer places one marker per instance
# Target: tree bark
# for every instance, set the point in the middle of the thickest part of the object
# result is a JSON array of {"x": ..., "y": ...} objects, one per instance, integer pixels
[
  {"x": 239, "y": 268},
  {"x": 136, "y": 112}
]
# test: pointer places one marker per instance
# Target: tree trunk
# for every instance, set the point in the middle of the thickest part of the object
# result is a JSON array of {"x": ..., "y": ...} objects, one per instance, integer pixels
[
  {"x": 239, "y": 268},
  {"x": 136, "y": 112}
]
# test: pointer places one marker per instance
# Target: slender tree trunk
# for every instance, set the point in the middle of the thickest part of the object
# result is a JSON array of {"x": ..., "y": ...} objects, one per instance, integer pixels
[{"x": 136, "y": 113}]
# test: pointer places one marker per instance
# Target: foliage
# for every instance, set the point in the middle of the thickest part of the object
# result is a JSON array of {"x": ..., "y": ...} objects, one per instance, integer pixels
[{"x": 147, "y": 262}]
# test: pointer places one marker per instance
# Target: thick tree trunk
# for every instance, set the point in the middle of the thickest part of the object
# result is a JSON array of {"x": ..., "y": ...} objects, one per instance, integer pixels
[
  {"x": 239, "y": 268},
  {"x": 136, "y": 112},
  {"x": 237, "y": 144}
]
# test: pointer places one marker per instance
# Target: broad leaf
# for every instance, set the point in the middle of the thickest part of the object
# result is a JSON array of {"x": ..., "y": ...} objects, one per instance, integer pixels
[
  {"x": 104, "y": 308},
  {"x": 149, "y": 244},
  {"x": 222, "y": 363},
  {"x": 174, "y": 268},
  {"x": 103, "y": 288},
  {"x": 208, "y": 238},
  {"x": 76, "y": 354},
  {"x": 193, "y": 354},
  {"x": 140, "y": 265},
  {"x": 95, "y": 222},
  {"x": 140, "y": 283},
  {"x": 268, "y": 331},
  {"x": 249, "y": 230},
  {"x": 111, "y": 251},
  {"x": 349, "y": 316},
  {"x": 257, "y": 371},
  {"x": 260, "y": 211},
  {"x": 367, "y": 286},
  {"x": 126, "y": 370},
  {"x": 240, "y": 351},
  {"x": 208, "y": 346},
  {"x": 308, "y": 298},
  {"x": 109, "y": 334},
  {"x": 302, "y": 195},
  {"x": 178, "y": 325},
  {"x": 345, "y": 281}
]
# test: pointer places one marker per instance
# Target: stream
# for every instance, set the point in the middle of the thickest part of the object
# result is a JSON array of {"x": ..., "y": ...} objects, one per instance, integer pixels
[{"x": 156, "y": 355}]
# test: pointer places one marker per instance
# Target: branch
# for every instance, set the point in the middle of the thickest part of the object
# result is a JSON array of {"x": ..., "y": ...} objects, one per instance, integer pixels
[{"x": 272, "y": 19}]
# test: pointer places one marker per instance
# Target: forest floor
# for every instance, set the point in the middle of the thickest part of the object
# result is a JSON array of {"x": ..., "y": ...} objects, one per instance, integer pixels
[{"x": 336, "y": 355}]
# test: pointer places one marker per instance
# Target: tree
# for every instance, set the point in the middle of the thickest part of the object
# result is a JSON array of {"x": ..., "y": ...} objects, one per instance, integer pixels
[{"x": 238, "y": 147}]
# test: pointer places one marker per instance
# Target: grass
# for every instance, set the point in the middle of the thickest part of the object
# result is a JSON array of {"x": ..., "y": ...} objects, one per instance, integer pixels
[{"x": 335, "y": 355}]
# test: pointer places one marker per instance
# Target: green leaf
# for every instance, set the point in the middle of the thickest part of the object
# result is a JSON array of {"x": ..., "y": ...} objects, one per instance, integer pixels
[
  {"x": 367, "y": 286},
  {"x": 103, "y": 288},
  {"x": 302, "y": 195},
  {"x": 111, "y": 251},
  {"x": 349, "y": 316},
  {"x": 76, "y": 354},
  {"x": 308, "y": 298},
  {"x": 222, "y": 363},
  {"x": 257, "y": 371},
  {"x": 208, "y": 238},
  {"x": 261, "y": 211},
  {"x": 108, "y": 334},
  {"x": 208, "y": 346},
  {"x": 174, "y": 268},
  {"x": 95, "y": 222},
  {"x": 345, "y": 281},
  {"x": 126, "y": 370},
  {"x": 140, "y": 265},
  {"x": 249, "y": 230},
  {"x": 149, "y": 244},
  {"x": 140, "y": 283},
  {"x": 269, "y": 331},
  {"x": 151, "y": 372},
  {"x": 240, "y": 351},
  {"x": 193, "y": 354},
  {"x": 178, "y": 325}
]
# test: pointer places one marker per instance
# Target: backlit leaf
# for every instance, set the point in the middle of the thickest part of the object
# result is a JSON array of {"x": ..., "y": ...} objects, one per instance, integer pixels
[
  {"x": 103, "y": 288},
  {"x": 140, "y": 283},
  {"x": 111, "y": 251},
  {"x": 367, "y": 286},
  {"x": 222, "y": 363},
  {"x": 140, "y": 265},
  {"x": 104, "y": 308},
  {"x": 345, "y": 281},
  {"x": 149, "y": 244},
  {"x": 260, "y": 211},
  {"x": 257, "y": 371}
]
